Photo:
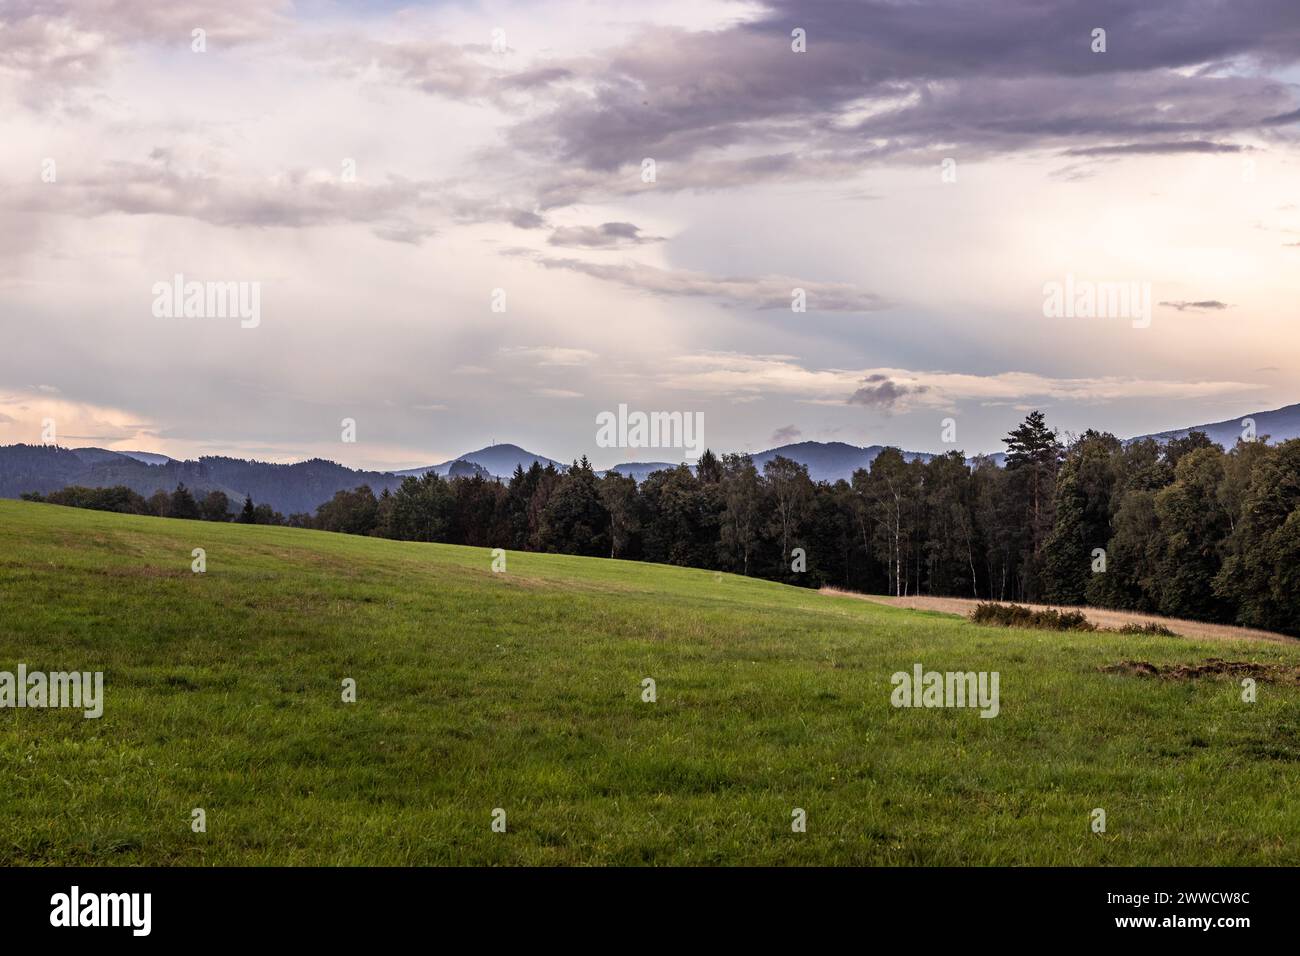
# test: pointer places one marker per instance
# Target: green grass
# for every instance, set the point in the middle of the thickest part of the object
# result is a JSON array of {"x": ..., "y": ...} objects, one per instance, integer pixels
[{"x": 523, "y": 691}]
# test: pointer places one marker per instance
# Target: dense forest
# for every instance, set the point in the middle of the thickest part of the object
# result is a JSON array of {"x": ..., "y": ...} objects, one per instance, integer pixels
[{"x": 1183, "y": 528}]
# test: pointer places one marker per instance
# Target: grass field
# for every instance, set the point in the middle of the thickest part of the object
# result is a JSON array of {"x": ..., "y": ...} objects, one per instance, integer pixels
[{"x": 522, "y": 691}]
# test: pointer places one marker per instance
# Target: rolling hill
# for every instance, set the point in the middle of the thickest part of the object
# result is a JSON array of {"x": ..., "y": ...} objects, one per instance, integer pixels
[
  {"x": 287, "y": 488},
  {"x": 524, "y": 691}
]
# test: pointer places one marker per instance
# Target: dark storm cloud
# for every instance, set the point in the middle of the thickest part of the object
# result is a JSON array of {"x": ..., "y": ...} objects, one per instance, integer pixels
[
  {"x": 717, "y": 109},
  {"x": 882, "y": 80}
]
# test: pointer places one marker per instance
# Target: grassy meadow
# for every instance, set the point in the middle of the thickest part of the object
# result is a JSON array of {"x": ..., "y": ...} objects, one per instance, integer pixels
[{"x": 522, "y": 690}]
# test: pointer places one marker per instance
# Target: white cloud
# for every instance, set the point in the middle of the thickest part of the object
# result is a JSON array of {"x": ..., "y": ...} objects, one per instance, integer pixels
[
  {"x": 551, "y": 355},
  {"x": 738, "y": 374}
]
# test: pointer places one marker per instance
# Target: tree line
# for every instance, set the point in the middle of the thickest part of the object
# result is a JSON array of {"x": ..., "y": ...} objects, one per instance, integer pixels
[
  {"x": 180, "y": 503},
  {"x": 1182, "y": 528}
]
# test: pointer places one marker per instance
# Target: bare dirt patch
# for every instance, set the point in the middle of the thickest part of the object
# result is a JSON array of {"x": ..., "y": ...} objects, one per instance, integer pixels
[
  {"x": 1211, "y": 667},
  {"x": 1102, "y": 617}
]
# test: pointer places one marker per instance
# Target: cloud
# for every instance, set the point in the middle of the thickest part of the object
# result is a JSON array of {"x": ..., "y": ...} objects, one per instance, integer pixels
[
  {"x": 889, "y": 82},
  {"x": 430, "y": 66},
  {"x": 736, "y": 374},
  {"x": 460, "y": 72},
  {"x": 881, "y": 82},
  {"x": 1156, "y": 149},
  {"x": 1206, "y": 305},
  {"x": 609, "y": 235},
  {"x": 50, "y": 47},
  {"x": 880, "y": 391},
  {"x": 552, "y": 355},
  {"x": 483, "y": 154},
  {"x": 524, "y": 219},
  {"x": 557, "y": 393},
  {"x": 766, "y": 292},
  {"x": 785, "y": 435},
  {"x": 24, "y": 416},
  {"x": 398, "y": 210}
]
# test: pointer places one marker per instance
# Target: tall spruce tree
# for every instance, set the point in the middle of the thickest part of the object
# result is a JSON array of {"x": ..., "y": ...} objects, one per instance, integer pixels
[{"x": 1033, "y": 459}]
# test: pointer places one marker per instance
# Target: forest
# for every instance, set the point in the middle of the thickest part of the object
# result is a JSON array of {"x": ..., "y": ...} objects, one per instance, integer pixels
[{"x": 1184, "y": 528}]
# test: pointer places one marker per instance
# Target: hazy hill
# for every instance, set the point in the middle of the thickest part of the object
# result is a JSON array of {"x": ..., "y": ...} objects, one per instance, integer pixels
[
  {"x": 1280, "y": 424},
  {"x": 499, "y": 460},
  {"x": 830, "y": 461},
  {"x": 301, "y": 486},
  {"x": 826, "y": 461},
  {"x": 287, "y": 488}
]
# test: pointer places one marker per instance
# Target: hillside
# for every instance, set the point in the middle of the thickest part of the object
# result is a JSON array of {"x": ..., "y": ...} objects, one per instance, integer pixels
[
  {"x": 299, "y": 487},
  {"x": 1279, "y": 424},
  {"x": 498, "y": 460},
  {"x": 522, "y": 691},
  {"x": 831, "y": 461}
]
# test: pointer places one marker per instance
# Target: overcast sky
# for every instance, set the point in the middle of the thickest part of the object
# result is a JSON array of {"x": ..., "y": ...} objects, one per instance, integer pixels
[{"x": 501, "y": 146}]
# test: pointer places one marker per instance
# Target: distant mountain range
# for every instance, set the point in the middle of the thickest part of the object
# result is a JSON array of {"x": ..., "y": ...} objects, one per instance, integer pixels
[
  {"x": 304, "y": 485},
  {"x": 826, "y": 461}
]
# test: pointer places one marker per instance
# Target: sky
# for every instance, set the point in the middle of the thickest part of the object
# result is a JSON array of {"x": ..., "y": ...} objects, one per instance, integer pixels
[{"x": 447, "y": 213}]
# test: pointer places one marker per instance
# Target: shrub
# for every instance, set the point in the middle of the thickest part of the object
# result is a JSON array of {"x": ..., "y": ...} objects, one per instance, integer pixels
[
  {"x": 1013, "y": 615},
  {"x": 1150, "y": 627}
]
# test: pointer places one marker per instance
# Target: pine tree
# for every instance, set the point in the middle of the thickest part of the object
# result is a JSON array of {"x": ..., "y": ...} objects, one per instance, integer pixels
[
  {"x": 183, "y": 504},
  {"x": 709, "y": 469},
  {"x": 1033, "y": 459}
]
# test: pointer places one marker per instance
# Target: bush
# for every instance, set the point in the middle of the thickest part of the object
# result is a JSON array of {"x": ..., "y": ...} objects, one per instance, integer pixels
[
  {"x": 1150, "y": 627},
  {"x": 1013, "y": 615}
]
